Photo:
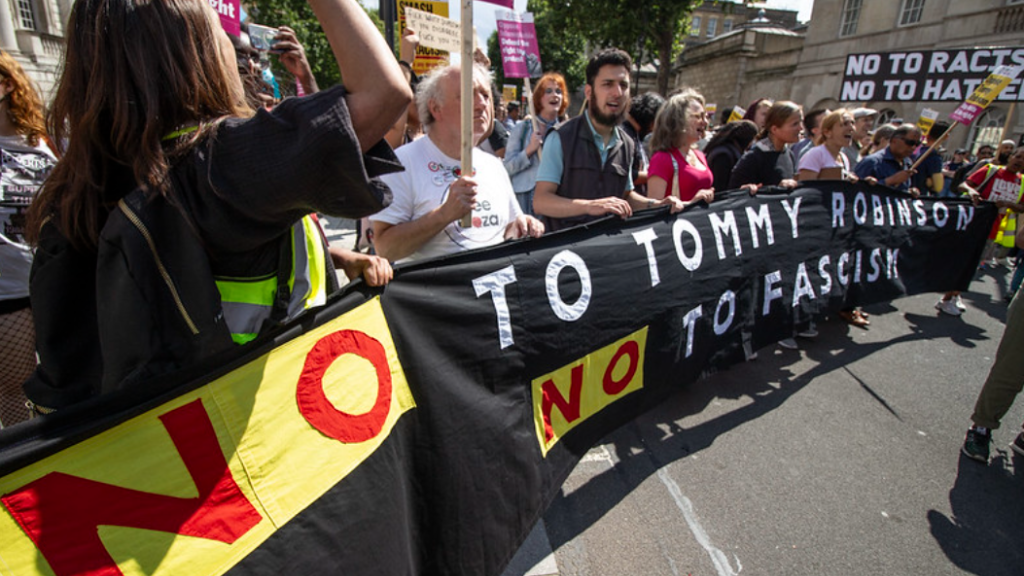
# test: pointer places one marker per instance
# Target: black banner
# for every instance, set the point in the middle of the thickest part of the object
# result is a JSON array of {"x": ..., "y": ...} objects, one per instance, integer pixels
[
  {"x": 490, "y": 374},
  {"x": 927, "y": 75}
]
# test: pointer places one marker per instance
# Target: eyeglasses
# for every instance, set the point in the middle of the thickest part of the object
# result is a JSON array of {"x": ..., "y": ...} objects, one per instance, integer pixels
[
  {"x": 553, "y": 91},
  {"x": 911, "y": 143}
]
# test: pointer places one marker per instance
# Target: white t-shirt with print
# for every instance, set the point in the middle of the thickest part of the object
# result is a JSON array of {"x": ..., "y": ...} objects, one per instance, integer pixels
[
  {"x": 423, "y": 186},
  {"x": 818, "y": 158},
  {"x": 23, "y": 168}
]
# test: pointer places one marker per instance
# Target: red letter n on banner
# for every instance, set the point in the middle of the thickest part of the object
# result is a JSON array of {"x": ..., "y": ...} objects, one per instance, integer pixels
[
  {"x": 552, "y": 397},
  {"x": 62, "y": 513}
]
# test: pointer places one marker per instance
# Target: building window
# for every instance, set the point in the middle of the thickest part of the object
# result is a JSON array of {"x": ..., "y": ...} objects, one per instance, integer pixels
[
  {"x": 848, "y": 21},
  {"x": 26, "y": 14},
  {"x": 726, "y": 26},
  {"x": 712, "y": 25},
  {"x": 695, "y": 26},
  {"x": 987, "y": 129},
  {"x": 911, "y": 12}
]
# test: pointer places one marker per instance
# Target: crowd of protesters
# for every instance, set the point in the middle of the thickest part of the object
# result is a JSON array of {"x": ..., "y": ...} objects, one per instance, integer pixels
[{"x": 163, "y": 216}]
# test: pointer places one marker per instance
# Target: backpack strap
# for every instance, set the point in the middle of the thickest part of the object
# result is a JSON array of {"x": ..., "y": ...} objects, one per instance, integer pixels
[{"x": 675, "y": 175}]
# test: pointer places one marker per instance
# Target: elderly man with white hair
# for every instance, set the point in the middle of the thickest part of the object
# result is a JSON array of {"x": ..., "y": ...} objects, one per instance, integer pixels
[{"x": 432, "y": 195}]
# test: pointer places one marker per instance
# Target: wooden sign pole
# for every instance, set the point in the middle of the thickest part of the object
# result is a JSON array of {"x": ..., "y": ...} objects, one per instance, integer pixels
[{"x": 467, "y": 97}]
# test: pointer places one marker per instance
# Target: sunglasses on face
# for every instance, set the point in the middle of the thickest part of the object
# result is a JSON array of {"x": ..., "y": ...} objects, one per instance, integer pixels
[{"x": 911, "y": 143}]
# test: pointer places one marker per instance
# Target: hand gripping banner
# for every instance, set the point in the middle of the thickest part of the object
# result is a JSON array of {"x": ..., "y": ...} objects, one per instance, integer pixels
[{"x": 423, "y": 429}]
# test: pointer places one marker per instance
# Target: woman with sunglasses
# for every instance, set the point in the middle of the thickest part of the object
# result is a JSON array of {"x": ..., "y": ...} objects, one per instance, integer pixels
[
  {"x": 522, "y": 154},
  {"x": 171, "y": 189},
  {"x": 25, "y": 161}
]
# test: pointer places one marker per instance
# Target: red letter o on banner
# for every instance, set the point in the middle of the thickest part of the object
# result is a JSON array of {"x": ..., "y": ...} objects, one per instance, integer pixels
[
  {"x": 613, "y": 387},
  {"x": 313, "y": 402}
]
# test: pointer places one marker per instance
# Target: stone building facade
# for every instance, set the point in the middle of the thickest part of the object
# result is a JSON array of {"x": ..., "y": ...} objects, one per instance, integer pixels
[
  {"x": 32, "y": 31},
  {"x": 710, "y": 20},
  {"x": 807, "y": 65},
  {"x": 841, "y": 27}
]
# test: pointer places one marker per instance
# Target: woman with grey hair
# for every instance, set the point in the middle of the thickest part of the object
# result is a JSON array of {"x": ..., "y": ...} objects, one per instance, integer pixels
[{"x": 678, "y": 169}]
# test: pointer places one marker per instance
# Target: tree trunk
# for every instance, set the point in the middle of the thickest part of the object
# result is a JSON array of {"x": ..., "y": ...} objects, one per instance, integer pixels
[{"x": 665, "y": 41}]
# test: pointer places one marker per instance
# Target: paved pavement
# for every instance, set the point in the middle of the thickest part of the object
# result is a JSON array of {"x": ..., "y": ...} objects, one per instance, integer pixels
[{"x": 840, "y": 459}]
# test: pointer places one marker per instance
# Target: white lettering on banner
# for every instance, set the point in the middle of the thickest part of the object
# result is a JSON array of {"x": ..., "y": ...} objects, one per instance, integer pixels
[
  {"x": 495, "y": 284},
  {"x": 689, "y": 321},
  {"x": 823, "y": 265},
  {"x": 771, "y": 291},
  {"x": 727, "y": 227},
  {"x": 841, "y": 271},
  {"x": 793, "y": 212},
  {"x": 760, "y": 220},
  {"x": 680, "y": 226},
  {"x": 562, "y": 260},
  {"x": 803, "y": 286},
  {"x": 646, "y": 239},
  {"x": 875, "y": 259},
  {"x": 940, "y": 220},
  {"x": 728, "y": 297}
]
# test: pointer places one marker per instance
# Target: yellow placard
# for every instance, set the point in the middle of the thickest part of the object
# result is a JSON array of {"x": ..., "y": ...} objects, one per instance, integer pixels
[
  {"x": 290, "y": 424},
  {"x": 737, "y": 114},
  {"x": 927, "y": 119},
  {"x": 565, "y": 398}
]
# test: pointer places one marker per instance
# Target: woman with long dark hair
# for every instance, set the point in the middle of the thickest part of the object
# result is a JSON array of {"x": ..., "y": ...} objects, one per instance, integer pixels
[
  {"x": 726, "y": 148},
  {"x": 25, "y": 160},
  {"x": 177, "y": 222}
]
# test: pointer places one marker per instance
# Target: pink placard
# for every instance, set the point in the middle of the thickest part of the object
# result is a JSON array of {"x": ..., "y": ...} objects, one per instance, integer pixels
[
  {"x": 966, "y": 113},
  {"x": 505, "y": 3},
  {"x": 230, "y": 15},
  {"x": 517, "y": 40}
]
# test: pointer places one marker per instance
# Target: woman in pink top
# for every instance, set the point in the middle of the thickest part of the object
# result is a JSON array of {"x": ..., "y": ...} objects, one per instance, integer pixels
[{"x": 677, "y": 168}]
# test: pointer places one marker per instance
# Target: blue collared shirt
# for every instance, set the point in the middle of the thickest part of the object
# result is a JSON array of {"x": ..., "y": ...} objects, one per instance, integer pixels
[
  {"x": 552, "y": 160},
  {"x": 881, "y": 165}
]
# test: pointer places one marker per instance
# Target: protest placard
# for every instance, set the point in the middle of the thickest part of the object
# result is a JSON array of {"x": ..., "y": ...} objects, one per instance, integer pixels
[
  {"x": 230, "y": 15},
  {"x": 927, "y": 119},
  {"x": 710, "y": 109},
  {"x": 434, "y": 31},
  {"x": 426, "y": 58},
  {"x": 517, "y": 40},
  {"x": 509, "y": 92},
  {"x": 737, "y": 114},
  {"x": 926, "y": 75}
]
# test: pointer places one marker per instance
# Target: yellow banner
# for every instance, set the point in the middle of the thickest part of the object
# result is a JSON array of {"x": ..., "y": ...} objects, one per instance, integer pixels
[
  {"x": 565, "y": 398},
  {"x": 282, "y": 430}
]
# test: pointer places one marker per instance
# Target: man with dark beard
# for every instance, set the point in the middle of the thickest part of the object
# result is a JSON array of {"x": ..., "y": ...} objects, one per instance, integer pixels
[{"x": 585, "y": 172}]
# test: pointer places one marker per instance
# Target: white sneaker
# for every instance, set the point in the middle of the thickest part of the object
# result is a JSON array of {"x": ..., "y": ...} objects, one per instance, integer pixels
[
  {"x": 959, "y": 302},
  {"x": 789, "y": 344},
  {"x": 948, "y": 307}
]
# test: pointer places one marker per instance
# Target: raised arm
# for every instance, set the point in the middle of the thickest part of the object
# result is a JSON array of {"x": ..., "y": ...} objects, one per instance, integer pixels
[{"x": 377, "y": 92}]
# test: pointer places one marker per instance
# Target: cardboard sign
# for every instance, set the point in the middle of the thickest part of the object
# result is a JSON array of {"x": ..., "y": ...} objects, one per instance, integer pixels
[
  {"x": 517, "y": 40},
  {"x": 426, "y": 58},
  {"x": 508, "y": 92},
  {"x": 990, "y": 88},
  {"x": 434, "y": 31},
  {"x": 927, "y": 119},
  {"x": 737, "y": 113},
  {"x": 710, "y": 110}
]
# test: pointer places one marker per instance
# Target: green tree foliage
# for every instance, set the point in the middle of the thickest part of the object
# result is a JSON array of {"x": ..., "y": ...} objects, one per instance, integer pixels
[
  {"x": 651, "y": 27},
  {"x": 299, "y": 16},
  {"x": 560, "y": 51}
]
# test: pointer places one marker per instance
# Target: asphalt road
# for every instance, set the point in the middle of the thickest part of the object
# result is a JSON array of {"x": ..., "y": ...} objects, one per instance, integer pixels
[{"x": 839, "y": 459}]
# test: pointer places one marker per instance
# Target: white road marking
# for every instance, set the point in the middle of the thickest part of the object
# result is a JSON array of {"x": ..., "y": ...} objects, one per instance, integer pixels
[{"x": 718, "y": 558}]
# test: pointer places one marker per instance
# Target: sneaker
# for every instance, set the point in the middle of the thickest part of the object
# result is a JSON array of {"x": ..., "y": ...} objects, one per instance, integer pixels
[
  {"x": 810, "y": 332},
  {"x": 976, "y": 445},
  {"x": 1018, "y": 444},
  {"x": 947, "y": 307},
  {"x": 789, "y": 343},
  {"x": 959, "y": 302}
]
